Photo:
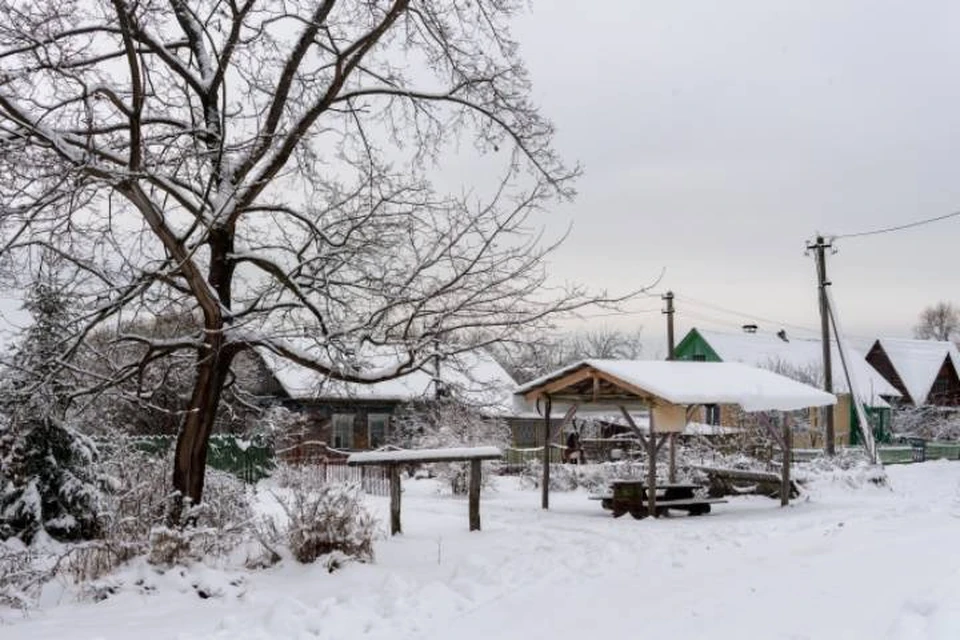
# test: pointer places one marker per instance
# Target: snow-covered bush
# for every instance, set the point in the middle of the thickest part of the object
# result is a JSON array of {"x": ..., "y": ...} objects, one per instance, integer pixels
[
  {"x": 927, "y": 422},
  {"x": 22, "y": 574},
  {"x": 445, "y": 422},
  {"x": 134, "y": 517},
  {"x": 325, "y": 520},
  {"x": 849, "y": 467},
  {"x": 306, "y": 477}
]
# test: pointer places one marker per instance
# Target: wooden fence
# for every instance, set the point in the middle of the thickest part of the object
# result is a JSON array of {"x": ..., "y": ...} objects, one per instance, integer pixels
[{"x": 330, "y": 465}]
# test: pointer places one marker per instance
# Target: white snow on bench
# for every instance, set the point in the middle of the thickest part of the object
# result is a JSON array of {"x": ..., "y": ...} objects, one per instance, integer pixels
[{"x": 426, "y": 455}]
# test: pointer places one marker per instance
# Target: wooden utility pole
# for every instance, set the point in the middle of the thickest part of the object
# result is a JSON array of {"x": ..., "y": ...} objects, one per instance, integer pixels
[
  {"x": 668, "y": 298},
  {"x": 671, "y": 355},
  {"x": 819, "y": 248}
]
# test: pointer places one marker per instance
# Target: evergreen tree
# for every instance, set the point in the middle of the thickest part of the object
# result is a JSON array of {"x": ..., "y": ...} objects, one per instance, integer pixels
[{"x": 47, "y": 479}]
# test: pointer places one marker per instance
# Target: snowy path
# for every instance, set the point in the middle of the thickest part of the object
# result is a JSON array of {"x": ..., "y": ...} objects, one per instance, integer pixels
[{"x": 847, "y": 564}]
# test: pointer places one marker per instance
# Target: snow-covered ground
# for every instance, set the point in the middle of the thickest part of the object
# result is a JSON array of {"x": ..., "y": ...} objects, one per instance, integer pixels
[{"x": 845, "y": 563}]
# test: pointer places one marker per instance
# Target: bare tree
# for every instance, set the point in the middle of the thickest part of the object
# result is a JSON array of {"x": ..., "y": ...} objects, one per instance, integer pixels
[
  {"x": 537, "y": 355},
  {"x": 938, "y": 322},
  {"x": 605, "y": 342},
  {"x": 265, "y": 166}
]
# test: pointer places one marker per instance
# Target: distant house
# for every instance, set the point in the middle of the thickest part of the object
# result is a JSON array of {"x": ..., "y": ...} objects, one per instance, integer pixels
[
  {"x": 800, "y": 359},
  {"x": 924, "y": 371},
  {"x": 351, "y": 416}
]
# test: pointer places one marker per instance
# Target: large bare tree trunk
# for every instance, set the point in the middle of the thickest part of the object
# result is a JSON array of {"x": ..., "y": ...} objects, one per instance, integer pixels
[{"x": 190, "y": 460}]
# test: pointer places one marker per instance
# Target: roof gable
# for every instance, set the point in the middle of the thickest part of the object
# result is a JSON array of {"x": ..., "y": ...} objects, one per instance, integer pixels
[{"x": 918, "y": 362}]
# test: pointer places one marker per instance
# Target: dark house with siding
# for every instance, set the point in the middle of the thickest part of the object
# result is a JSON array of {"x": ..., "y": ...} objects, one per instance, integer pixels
[{"x": 349, "y": 416}]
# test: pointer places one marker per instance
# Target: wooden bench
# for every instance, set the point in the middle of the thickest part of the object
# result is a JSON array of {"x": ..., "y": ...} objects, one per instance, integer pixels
[
  {"x": 629, "y": 496},
  {"x": 725, "y": 482}
]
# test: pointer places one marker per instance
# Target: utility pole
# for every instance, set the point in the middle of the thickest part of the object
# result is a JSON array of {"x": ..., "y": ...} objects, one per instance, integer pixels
[
  {"x": 819, "y": 248},
  {"x": 671, "y": 355},
  {"x": 668, "y": 298}
]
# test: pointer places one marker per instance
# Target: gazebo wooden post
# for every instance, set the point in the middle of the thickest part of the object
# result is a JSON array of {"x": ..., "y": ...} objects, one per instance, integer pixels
[
  {"x": 474, "y": 496},
  {"x": 545, "y": 480},
  {"x": 652, "y": 467},
  {"x": 394, "y": 471},
  {"x": 785, "y": 467},
  {"x": 673, "y": 457}
]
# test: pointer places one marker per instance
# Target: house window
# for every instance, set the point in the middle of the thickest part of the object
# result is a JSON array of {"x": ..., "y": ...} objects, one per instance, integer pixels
[
  {"x": 343, "y": 431},
  {"x": 712, "y": 414},
  {"x": 377, "y": 425},
  {"x": 699, "y": 357}
]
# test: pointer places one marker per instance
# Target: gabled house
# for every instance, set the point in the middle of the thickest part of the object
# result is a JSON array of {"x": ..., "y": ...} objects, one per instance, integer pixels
[
  {"x": 351, "y": 416},
  {"x": 924, "y": 371},
  {"x": 800, "y": 359}
]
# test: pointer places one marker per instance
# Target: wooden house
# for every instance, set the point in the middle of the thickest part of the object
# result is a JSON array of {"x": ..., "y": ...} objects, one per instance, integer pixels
[
  {"x": 924, "y": 371},
  {"x": 800, "y": 359},
  {"x": 351, "y": 417}
]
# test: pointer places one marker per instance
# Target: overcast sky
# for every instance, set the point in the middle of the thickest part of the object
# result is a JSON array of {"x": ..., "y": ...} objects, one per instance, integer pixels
[{"x": 717, "y": 137}]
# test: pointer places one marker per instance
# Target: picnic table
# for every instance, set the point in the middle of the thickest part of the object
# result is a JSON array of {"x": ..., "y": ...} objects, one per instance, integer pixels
[{"x": 630, "y": 496}]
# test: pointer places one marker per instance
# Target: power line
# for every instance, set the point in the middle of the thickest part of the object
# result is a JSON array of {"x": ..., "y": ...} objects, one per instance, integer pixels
[
  {"x": 743, "y": 314},
  {"x": 612, "y": 314},
  {"x": 901, "y": 227},
  {"x": 687, "y": 313}
]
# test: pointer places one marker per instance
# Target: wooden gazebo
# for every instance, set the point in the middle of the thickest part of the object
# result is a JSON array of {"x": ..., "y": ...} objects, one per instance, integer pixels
[{"x": 667, "y": 389}]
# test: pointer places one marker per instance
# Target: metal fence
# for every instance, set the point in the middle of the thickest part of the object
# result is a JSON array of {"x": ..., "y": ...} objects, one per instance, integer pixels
[{"x": 916, "y": 451}]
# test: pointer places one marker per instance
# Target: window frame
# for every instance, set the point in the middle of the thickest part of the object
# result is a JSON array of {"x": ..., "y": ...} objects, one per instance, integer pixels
[
  {"x": 371, "y": 419},
  {"x": 337, "y": 420}
]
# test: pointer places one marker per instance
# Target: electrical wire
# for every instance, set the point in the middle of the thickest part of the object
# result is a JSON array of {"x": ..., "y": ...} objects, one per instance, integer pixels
[
  {"x": 901, "y": 227},
  {"x": 742, "y": 314},
  {"x": 612, "y": 314}
]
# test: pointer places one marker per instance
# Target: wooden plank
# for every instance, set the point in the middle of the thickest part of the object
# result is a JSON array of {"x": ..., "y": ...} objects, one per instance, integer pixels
[
  {"x": 673, "y": 458},
  {"x": 474, "y": 495},
  {"x": 741, "y": 474},
  {"x": 785, "y": 465},
  {"x": 561, "y": 383},
  {"x": 652, "y": 468},
  {"x": 545, "y": 480},
  {"x": 633, "y": 426},
  {"x": 424, "y": 460},
  {"x": 661, "y": 439},
  {"x": 395, "y": 500},
  {"x": 772, "y": 430}
]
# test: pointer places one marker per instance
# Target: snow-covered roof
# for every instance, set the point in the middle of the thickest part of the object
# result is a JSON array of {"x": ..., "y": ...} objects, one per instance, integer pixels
[
  {"x": 805, "y": 356},
  {"x": 473, "y": 377},
  {"x": 918, "y": 362},
  {"x": 687, "y": 383}
]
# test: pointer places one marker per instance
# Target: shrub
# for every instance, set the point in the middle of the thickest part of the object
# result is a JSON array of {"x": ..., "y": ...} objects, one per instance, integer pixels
[{"x": 326, "y": 520}]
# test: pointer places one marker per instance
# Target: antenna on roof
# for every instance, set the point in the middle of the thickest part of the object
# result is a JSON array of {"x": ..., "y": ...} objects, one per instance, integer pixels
[{"x": 750, "y": 328}]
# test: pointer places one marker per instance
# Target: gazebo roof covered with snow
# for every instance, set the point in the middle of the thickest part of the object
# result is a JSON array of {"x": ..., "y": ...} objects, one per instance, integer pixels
[
  {"x": 667, "y": 388},
  {"x": 653, "y": 382}
]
